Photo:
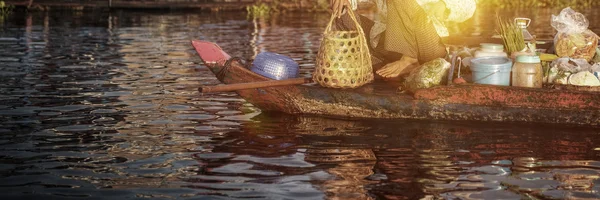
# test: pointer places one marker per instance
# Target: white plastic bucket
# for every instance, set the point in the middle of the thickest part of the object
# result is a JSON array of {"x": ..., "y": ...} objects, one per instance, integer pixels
[{"x": 491, "y": 70}]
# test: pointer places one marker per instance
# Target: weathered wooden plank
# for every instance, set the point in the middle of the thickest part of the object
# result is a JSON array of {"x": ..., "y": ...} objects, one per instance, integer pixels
[{"x": 506, "y": 96}]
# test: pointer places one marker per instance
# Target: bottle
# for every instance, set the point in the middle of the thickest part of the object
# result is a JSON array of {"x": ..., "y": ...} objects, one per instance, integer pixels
[
  {"x": 527, "y": 72},
  {"x": 523, "y": 23},
  {"x": 490, "y": 50}
]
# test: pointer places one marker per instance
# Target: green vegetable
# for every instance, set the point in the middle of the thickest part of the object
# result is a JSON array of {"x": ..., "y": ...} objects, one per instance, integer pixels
[
  {"x": 584, "y": 78},
  {"x": 512, "y": 36},
  {"x": 562, "y": 77},
  {"x": 427, "y": 75},
  {"x": 596, "y": 58}
]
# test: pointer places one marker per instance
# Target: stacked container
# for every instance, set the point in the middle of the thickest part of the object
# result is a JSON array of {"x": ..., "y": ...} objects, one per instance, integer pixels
[{"x": 490, "y": 50}]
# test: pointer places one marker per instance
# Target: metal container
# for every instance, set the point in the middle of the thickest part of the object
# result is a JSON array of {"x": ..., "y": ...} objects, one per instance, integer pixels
[
  {"x": 491, "y": 70},
  {"x": 275, "y": 66},
  {"x": 527, "y": 72}
]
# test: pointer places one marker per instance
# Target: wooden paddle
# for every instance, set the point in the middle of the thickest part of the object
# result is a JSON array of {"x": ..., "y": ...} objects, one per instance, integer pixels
[{"x": 252, "y": 85}]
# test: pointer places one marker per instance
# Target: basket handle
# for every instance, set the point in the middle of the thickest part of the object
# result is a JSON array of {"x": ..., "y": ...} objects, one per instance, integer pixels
[
  {"x": 361, "y": 35},
  {"x": 352, "y": 16}
]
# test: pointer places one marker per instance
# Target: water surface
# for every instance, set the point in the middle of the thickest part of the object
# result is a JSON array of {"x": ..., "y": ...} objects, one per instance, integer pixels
[{"x": 103, "y": 105}]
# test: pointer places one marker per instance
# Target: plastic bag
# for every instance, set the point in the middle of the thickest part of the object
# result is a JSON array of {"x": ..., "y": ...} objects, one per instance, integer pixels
[
  {"x": 574, "y": 39},
  {"x": 574, "y": 72},
  {"x": 429, "y": 74},
  {"x": 571, "y": 65},
  {"x": 596, "y": 58},
  {"x": 595, "y": 69},
  {"x": 562, "y": 68}
]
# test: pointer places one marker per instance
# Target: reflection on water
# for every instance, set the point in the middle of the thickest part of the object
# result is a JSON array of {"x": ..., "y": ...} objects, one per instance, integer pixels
[
  {"x": 404, "y": 159},
  {"x": 104, "y": 105}
]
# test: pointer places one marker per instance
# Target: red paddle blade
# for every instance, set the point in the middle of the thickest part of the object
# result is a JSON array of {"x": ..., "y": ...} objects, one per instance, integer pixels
[{"x": 210, "y": 52}]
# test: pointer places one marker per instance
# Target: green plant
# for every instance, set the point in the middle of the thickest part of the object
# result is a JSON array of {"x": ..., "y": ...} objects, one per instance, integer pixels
[
  {"x": 5, "y": 10},
  {"x": 512, "y": 36},
  {"x": 259, "y": 10}
]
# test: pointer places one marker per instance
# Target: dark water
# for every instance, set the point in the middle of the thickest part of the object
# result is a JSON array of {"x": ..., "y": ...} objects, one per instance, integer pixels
[{"x": 103, "y": 105}]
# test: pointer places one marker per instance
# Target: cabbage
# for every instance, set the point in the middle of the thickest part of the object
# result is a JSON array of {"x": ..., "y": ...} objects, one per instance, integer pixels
[
  {"x": 429, "y": 74},
  {"x": 584, "y": 78}
]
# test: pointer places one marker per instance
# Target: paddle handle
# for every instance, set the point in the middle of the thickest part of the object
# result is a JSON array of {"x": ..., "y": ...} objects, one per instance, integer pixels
[{"x": 252, "y": 85}]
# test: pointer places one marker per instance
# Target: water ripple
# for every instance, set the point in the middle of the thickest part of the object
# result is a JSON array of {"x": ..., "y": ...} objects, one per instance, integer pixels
[{"x": 104, "y": 105}]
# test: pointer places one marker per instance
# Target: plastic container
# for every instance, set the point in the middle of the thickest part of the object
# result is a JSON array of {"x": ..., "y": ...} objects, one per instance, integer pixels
[
  {"x": 490, "y": 50},
  {"x": 527, "y": 72},
  {"x": 523, "y": 23},
  {"x": 275, "y": 66},
  {"x": 491, "y": 70}
]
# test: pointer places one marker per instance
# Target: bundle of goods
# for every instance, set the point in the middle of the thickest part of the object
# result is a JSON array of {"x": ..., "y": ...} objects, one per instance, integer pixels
[
  {"x": 577, "y": 47},
  {"x": 569, "y": 71},
  {"x": 427, "y": 75},
  {"x": 574, "y": 39}
]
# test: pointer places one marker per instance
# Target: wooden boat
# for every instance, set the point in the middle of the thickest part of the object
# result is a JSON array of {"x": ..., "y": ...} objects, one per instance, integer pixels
[{"x": 453, "y": 102}]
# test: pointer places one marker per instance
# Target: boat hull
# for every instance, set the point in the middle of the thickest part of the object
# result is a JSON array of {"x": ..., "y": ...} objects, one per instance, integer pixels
[{"x": 458, "y": 102}]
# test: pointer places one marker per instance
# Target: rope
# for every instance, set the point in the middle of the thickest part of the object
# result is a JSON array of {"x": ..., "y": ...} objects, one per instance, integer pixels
[{"x": 227, "y": 66}]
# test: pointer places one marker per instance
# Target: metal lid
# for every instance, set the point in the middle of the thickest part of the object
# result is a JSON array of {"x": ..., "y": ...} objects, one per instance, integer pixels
[
  {"x": 528, "y": 59},
  {"x": 491, "y": 46}
]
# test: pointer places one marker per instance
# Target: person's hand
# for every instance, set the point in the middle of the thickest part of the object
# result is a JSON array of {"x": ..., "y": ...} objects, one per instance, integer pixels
[
  {"x": 398, "y": 68},
  {"x": 337, "y": 7}
]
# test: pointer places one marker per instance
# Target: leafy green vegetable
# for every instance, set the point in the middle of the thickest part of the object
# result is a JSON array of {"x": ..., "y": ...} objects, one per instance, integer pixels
[{"x": 427, "y": 75}]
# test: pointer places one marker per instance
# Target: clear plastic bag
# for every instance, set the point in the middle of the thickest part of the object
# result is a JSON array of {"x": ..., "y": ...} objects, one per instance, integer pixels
[
  {"x": 571, "y": 65},
  {"x": 563, "y": 71},
  {"x": 562, "y": 68},
  {"x": 429, "y": 74},
  {"x": 574, "y": 39}
]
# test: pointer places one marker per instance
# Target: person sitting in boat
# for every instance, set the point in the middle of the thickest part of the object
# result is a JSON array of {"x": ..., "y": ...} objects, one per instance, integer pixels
[{"x": 404, "y": 33}]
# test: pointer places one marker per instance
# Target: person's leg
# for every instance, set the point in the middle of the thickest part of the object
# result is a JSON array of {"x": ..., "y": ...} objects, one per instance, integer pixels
[{"x": 410, "y": 34}]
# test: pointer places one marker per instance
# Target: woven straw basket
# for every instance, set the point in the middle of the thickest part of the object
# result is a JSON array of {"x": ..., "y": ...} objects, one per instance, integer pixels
[{"x": 343, "y": 60}]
